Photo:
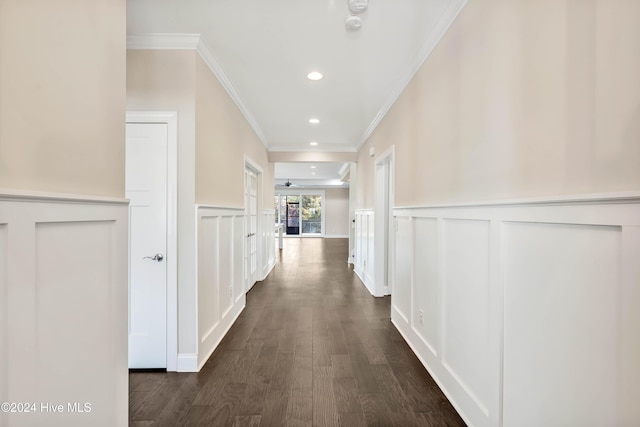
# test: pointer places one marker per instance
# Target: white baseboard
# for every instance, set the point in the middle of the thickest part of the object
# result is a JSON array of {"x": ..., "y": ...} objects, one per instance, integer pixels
[
  {"x": 229, "y": 319},
  {"x": 188, "y": 362},
  {"x": 269, "y": 269}
]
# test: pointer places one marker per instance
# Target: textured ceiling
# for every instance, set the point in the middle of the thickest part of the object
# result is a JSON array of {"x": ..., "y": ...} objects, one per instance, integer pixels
[{"x": 266, "y": 48}]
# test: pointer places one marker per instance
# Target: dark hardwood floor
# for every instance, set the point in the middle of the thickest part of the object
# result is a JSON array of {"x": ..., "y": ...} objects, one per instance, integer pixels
[{"x": 312, "y": 347}]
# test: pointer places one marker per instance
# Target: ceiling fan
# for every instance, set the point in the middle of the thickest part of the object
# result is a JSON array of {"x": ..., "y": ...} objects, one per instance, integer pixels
[{"x": 289, "y": 184}]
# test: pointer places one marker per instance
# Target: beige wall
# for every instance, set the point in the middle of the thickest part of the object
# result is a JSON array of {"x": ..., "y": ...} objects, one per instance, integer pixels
[
  {"x": 312, "y": 156},
  {"x": 336, "y": 211},
  {"x": 223, "y": 139},
  {"x": 520, "y": 99},
  {"x": 62, "y": 96}
]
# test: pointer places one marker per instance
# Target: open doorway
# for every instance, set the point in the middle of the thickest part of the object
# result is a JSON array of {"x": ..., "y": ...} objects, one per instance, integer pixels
[{"x": 300, "y": 212}]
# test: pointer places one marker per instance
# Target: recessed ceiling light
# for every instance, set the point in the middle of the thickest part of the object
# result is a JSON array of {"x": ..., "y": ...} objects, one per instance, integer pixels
[
  {"x": 314, "y": 75},
  {"x": 314, "y": 121},
  {"x": 313, "y": 173},
  {"x": 313, "y": 167},
  {"x": 313, "y": 143}
]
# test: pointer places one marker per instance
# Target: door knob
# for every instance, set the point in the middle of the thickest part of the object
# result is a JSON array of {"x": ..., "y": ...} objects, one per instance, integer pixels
[{"x": 156, "y": 257}]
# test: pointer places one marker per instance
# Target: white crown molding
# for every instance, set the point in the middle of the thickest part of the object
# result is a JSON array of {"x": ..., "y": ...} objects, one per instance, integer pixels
[
  {"x": 344, "y": 170},
  {"x": 195, "y": 42},
  {"x": 451, "y": 11}
]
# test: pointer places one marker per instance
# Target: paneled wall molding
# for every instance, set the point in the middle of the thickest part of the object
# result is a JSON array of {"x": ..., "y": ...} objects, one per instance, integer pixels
[
  {"x": 364, "y": 248},
  {"x": 512, "y": 306},
  {"x": 220, "y": 275},
  {"x": 268, "y": 242},
  {"x": 63, "y": 282}
]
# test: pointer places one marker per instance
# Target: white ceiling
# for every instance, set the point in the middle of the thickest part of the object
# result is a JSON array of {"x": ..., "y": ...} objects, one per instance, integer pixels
[
  {"x": 266, "y": 48},
  {"x": 307, "y": 170},
  {"x": 309, "y": 175}
]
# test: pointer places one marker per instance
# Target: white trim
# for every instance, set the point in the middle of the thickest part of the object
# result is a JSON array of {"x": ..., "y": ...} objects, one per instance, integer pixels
[
  {"x": 39, "y": 196},
  {"x": 224, "y": 333},
  {"x": 383, "y": 285},
  {"x": 195, "y": 42},
  {"x": 447, "y": 18},
  {"x": 253, "y": 166},
  {"x": 171, "y": 120},
  {"x": 599, "y": 198},
  {"x": 345, "y": 170},
  {"x": 337, "y": 236},
  {"x": 187, "y": 363},
  {"x": 269, "y": 244}
]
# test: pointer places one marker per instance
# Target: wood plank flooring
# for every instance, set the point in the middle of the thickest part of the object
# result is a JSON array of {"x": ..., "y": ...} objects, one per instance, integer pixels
[{"x": 311, "y": 348}]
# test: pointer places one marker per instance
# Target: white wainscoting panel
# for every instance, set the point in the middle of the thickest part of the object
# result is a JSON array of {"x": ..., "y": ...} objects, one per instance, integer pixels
[
  {"x": 364, "y": 265},
  {"x": 63, "y": 278},
  {"x": 465, "y": 305},
  {"x": 221, "y": 297},
  {"x": 238, "y": 267},
  {"x": 268, "y": 242},
  {"x": 426, "y": 291},
  {"x": 526, "y": 313},
  {"x": 403, "y": 274},
  {"x": 561, "y": 316}
]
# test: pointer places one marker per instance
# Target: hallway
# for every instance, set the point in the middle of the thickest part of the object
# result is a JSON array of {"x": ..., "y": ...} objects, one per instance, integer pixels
[{"x": 312, "y": 347}]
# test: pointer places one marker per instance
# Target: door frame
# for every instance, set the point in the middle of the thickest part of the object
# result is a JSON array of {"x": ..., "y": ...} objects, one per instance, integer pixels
[
  {"x": 255, "y": 168},
  {"x": 383, "y": 219},
  {"x": 170, "y": 118},
  {"x": 300, "y": 193}
]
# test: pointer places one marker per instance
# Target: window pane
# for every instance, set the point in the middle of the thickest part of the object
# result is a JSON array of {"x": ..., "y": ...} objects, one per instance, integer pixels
[{"x": 312, "y": 214}]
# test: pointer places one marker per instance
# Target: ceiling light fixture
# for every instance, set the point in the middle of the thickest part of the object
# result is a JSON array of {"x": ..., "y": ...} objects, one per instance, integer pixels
[
  {"x": 314, "y": 121},
  {"x": 313, "y": 167},
  {"x": 315, "y": 75},
  {"x": 313, "y": 143},
  {"x": 358, "y": 6},
  {"x": 353, "y": 23}
]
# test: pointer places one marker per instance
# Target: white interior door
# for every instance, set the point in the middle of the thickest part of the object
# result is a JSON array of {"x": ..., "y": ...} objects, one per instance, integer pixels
[
  {"x": 146, "y": 188},
  {"x": 381, "y": 232},
  {"x": 251, "y": 227}
]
